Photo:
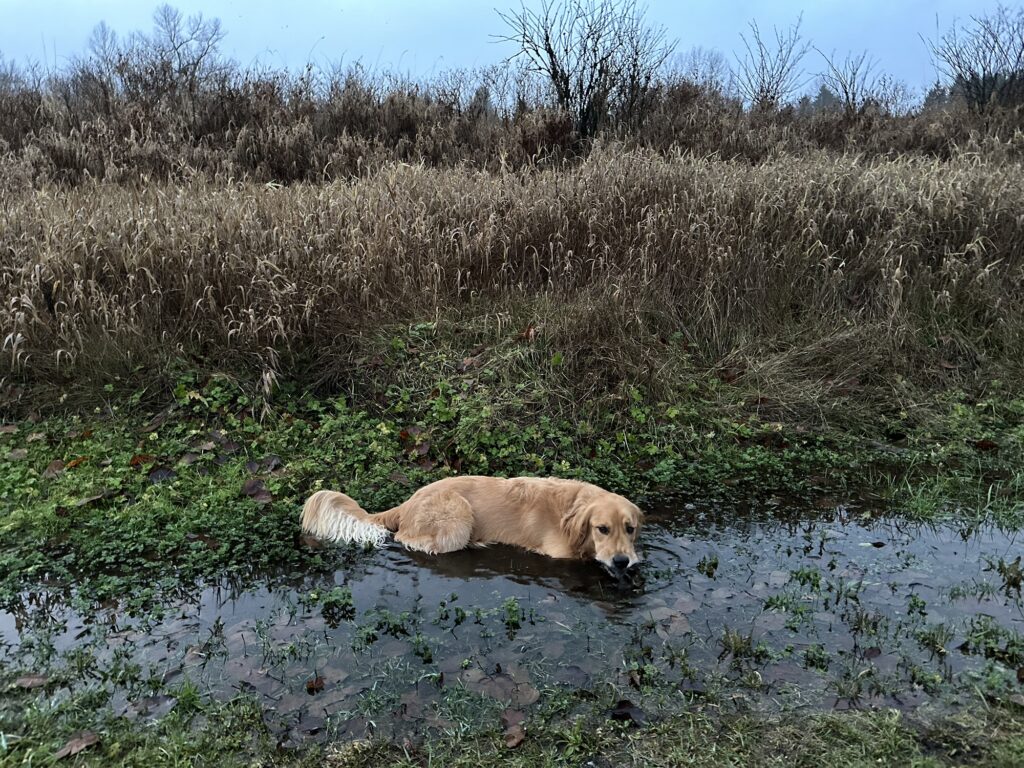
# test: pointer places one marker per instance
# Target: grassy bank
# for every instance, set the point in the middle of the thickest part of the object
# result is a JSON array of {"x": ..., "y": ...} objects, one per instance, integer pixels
[
  {"x": 235, "y": 734},
  {"x": 184, "y": 363}
]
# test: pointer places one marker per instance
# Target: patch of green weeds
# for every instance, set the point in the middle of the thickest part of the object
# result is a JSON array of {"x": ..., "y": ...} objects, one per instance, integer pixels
[
  {"x": 986, "y": 637},
  {"x": 816, "y": 657},
  {"x": 335, "y": 604},
  {"x": 935, "y": 638}
]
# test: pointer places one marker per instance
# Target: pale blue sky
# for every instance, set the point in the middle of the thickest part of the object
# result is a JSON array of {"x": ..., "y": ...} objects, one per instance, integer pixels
[{"x": 419, "y": 38}]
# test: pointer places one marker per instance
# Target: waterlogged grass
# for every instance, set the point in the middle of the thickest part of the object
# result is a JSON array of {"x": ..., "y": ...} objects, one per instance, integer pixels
[
  {"x": 966, "y": 466},
  {"x": 136, "y": 504}
]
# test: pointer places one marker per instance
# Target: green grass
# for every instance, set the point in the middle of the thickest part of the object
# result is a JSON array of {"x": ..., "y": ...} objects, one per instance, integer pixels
[
  {"x": 565, "y": 728},
  {"x": 701, "y": 739},
  {"x": 211, "y": 484}
]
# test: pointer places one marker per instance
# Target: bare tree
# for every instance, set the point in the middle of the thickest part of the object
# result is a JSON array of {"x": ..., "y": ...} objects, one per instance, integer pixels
[
  {"x": 769, "y": 73},
  {"x": 705, "y": 67},
  {"x": 95, "y": 77},
  {"x": 175, "y": 61},
  {"x": 600, "y": 56},
  {"x": 851, "y": 80},
  {"x": 895, "y": 97},
  {"x": 984, "y": 59},
  {"x": 10, "y": 78}
]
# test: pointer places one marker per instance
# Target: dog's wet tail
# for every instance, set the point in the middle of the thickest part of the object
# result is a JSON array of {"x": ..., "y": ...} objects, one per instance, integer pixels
[{"x": 337, "y": 517}]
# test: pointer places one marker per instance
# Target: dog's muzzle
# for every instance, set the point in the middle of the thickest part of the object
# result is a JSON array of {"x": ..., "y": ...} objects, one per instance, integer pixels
[{"x": 621, "y": 566}]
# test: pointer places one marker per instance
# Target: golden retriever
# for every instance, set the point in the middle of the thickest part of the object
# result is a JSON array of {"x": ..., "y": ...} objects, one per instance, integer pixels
[{"x": 557, "y": 518}]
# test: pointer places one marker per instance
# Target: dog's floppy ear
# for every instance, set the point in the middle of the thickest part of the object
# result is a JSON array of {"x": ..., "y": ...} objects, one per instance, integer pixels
[{"x": 576, "y": 526}]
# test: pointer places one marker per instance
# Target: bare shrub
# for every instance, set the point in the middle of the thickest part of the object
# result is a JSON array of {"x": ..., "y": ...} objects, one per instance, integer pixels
[
  {"x": 174, "y": 62},
  {"x": 769, "y": 73},
  {"x": 852, "y": 80},
  {"x": 166, "y": 105},
  {"x": 704, "y": 67}
]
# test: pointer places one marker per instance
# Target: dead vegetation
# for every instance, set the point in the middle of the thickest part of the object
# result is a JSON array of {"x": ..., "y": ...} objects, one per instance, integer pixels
[
  {"x": 159, "y": 206},
  {"x": 807, "y": 274}
]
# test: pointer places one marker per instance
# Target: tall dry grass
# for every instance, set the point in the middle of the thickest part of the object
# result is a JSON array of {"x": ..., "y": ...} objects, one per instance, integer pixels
[{"x": 635, "y": 266}]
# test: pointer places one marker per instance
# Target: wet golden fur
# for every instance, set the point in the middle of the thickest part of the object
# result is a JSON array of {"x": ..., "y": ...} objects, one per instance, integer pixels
[{"x": 558, "y": 518}]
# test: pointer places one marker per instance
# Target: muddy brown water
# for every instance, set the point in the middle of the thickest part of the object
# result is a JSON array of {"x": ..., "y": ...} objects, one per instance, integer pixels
[{"x": 751, "y": 609}]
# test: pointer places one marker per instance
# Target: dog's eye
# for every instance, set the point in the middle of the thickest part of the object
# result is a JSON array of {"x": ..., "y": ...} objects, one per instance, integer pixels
[
  {"x": 603, "y": 529},
  {"x": 630, "y": 529}
]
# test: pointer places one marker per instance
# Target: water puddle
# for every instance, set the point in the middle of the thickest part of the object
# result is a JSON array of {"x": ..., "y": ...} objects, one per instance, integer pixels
[{"x": 773, "y": 609}]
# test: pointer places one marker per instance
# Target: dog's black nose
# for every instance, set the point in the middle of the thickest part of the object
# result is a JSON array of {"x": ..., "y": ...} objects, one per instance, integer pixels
[{"x": 621, "y": 562}]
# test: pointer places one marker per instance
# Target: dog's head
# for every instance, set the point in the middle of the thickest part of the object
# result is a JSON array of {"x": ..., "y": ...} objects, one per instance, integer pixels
[{"x": 605, "y": 526}]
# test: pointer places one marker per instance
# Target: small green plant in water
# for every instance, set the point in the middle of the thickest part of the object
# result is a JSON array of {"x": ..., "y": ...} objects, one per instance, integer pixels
[
  {"x": 513, "y": 615},
  {"x": 916, "y": 606},
  {"x": 708, "y": 565},
  {"x": 336, "y": 605},
  {"x": 935, "y": 638},
  {"x": 816, "y": 657}
]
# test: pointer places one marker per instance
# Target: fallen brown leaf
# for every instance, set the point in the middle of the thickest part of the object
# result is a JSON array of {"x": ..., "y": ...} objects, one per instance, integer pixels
[
  {"x": 157, "y": 421},
  {"x": 160, "y": 474},
  {"x": 53, "y": 469},
  {"x": 76, "y": 744},
  {"x": 514, "y": 736},
  {"x": 257, "y": 491},
  {"x": 467, "y": 363},
  {"x": 31, "y": 681},
  {"x": 512, "y": 717}
]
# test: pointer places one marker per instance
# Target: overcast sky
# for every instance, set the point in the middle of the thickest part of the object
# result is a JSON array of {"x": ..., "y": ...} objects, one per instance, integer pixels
[{"x": 419, "y": 38}]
